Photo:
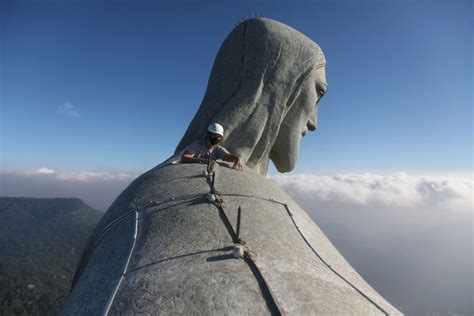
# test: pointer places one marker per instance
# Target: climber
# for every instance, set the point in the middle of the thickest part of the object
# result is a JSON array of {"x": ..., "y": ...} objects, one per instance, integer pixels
[{"x": 208, "y": 150}]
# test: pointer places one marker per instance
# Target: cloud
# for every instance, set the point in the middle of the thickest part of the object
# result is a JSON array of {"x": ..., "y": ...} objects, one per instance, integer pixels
[
  {"x": 79, "y": 176},
  {"x": 42, "y": 170},
  {"x": 398, "y": 189},
  {"x": 68, "y": 109}
]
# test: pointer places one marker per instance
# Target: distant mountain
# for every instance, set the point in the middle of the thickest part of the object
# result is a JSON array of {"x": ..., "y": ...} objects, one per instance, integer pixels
[{"x": 41, "y": 242}]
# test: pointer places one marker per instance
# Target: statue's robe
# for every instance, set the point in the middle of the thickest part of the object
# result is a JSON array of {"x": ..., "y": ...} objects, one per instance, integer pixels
[{"x": 181, "y": 259}]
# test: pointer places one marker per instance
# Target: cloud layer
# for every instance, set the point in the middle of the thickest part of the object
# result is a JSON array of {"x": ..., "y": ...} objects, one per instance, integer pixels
[
  {"x": 409, "y": 236},
  {"x": 397, "y": 189},
  {"x": 80, "y": 176}
]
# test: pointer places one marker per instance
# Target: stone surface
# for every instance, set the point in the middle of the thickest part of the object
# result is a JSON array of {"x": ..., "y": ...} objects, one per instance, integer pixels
[
  {"x": 263, "y": 88},
  {"x": 183, "y": 260}
]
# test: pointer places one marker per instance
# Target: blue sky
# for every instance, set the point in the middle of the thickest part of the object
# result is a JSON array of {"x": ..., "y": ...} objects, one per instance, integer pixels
[{"x": 111, "y": 86}]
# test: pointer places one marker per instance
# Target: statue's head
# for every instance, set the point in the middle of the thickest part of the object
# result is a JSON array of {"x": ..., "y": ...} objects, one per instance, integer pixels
[{"x": 264, "y": 89}]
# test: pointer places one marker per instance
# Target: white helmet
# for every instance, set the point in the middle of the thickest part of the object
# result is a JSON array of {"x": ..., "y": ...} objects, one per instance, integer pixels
[{"x": 216, "y": 129}]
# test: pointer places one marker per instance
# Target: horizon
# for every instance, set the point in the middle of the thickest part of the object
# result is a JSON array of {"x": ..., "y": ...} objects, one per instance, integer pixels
[{"x": 99, "y": 189}]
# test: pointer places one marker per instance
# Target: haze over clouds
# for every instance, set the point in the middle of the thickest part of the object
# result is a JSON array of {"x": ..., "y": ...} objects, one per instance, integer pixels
[{"x": 409, "y": 236}]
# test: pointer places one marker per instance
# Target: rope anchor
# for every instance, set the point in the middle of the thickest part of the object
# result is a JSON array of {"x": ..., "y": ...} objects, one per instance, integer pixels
[{"x": 238, "y": 251}]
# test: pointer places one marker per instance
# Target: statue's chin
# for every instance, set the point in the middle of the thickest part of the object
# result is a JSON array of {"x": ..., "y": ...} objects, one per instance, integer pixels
[
  {"x": 284, "y": 152},
  {"x": 284, "y": 157},
  {"x": 284, "y": 168}
]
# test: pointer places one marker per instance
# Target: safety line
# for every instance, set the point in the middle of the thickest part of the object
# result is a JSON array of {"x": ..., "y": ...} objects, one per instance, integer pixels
[
  {"x": 121, "y": 218},
  {"x": 290, "y": 214},
  {"x": 111, "y": 225},
  {"x": 151, "y": 204},
  {"x": 329, "y": 266},
  {"x": 112, "y": 298}
]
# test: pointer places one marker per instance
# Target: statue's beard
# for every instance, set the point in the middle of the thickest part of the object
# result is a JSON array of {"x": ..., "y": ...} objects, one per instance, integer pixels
[{"x": 284, "y": 152}]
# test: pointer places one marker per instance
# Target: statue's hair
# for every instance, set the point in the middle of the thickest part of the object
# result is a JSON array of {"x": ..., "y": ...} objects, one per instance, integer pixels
[
  {"x": 250, "y": 16},
  {"x": 256, "y": 77}
]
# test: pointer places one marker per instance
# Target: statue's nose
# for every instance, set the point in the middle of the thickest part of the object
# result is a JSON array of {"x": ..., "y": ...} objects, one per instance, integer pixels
[{"x": 311, "y": 125}]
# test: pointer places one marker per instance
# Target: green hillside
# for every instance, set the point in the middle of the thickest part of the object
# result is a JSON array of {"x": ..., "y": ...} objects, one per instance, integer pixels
[{"x": 41, "y": 242}]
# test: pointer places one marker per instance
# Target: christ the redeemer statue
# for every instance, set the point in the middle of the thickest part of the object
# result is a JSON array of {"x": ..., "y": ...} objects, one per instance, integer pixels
[{"x": 189, "y": 239}]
